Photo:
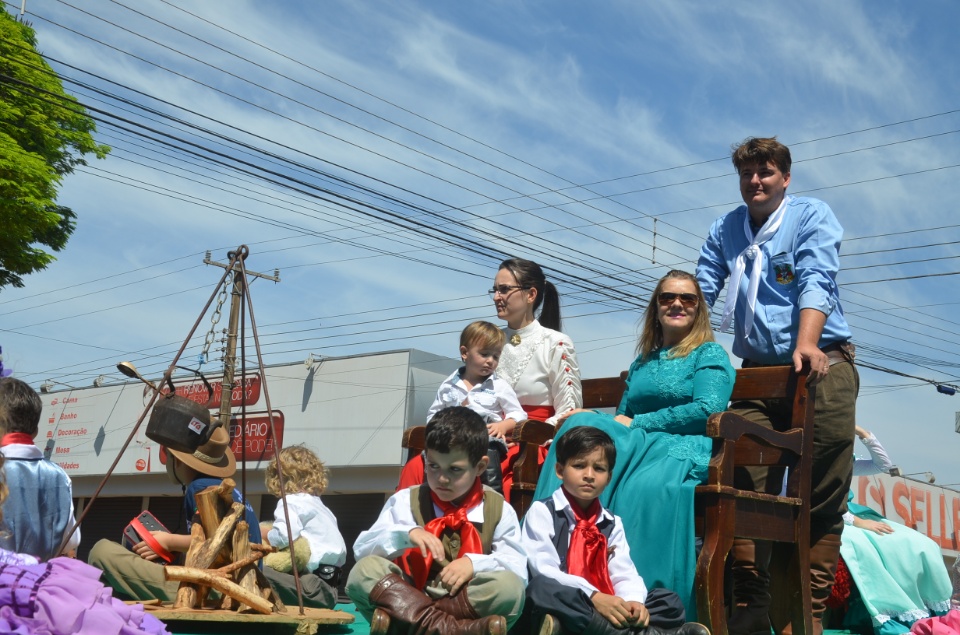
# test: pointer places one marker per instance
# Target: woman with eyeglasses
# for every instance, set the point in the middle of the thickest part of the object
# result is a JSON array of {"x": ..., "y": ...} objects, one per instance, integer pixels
[
  {"x": 538, "y": 361},
  {"x": 680, "y": 377}
]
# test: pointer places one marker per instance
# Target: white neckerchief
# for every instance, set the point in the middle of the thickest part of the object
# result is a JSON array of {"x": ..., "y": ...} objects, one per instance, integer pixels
[{"x": 754, "y": 253}]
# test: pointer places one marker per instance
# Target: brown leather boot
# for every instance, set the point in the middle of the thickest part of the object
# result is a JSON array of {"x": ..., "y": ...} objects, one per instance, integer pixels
[
  {"x": 458, "y": 606},
  {"x": 751, "y": 588},
  {"x": 415, "y": 613}
]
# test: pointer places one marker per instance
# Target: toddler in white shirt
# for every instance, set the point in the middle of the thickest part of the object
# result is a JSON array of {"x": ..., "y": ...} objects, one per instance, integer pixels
[
  {"x": 476, "y": 386},
  {"x": 318, "y": 549}
]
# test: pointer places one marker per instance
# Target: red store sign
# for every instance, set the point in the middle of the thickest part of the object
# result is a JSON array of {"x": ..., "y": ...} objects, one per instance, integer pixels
[
  {"x": 259, "y": 441},
  {"x": 197, "y": 391}
]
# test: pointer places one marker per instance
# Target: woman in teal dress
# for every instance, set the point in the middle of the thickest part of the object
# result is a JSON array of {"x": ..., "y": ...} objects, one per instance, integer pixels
[
  {"x": 899, "y": 572},
  {"x": 679, "y": 378}
]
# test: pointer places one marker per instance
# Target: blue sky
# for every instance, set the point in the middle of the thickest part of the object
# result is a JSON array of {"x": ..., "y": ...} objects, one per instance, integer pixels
[{"x": 592, "y": 138}]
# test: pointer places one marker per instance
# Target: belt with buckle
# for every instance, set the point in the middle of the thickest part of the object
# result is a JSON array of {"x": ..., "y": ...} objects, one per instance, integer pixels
[
  {"x": 840, "y": 352},
  {"x": 836, "y": 353}
]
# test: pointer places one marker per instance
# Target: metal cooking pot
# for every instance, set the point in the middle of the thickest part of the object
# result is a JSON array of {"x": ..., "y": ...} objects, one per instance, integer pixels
[{"x": 179, "y": 423}]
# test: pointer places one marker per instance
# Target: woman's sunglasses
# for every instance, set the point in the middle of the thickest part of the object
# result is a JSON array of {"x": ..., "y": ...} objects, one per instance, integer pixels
[{"x": 688, "y": 300}]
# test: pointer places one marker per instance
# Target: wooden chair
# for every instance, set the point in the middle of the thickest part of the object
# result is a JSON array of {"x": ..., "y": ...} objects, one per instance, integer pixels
[{"x": 722, "y": 511}]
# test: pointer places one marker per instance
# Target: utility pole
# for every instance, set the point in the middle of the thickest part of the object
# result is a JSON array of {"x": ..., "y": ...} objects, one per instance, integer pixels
[{"x": 230, "y": 355}]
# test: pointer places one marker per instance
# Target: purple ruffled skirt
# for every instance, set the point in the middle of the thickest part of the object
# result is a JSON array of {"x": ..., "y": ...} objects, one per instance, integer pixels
[{"x": 65, "y": 597}]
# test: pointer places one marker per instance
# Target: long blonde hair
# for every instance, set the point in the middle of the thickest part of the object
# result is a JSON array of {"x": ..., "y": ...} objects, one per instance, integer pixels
[{"x": 651, "y": 337}]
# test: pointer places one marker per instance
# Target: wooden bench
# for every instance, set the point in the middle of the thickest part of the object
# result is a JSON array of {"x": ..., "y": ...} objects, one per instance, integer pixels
[{"x": 723, "y": 512}]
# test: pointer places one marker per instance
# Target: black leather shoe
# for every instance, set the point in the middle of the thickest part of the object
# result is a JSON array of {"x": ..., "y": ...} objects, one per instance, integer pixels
[{"x": 690, "y": 628}]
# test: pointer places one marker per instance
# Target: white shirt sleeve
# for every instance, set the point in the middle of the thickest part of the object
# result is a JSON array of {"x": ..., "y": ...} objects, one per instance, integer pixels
[
  {"x": 278, "y": 534},
  {"x": 507, "y": 401},
  {"x": 74, "y": 541},
  {"x": 390, "y": 534},
  {"x": 878, "y": 463},
  {"x": 627, "y": 583},
  {"x": 564, "y": 376}
]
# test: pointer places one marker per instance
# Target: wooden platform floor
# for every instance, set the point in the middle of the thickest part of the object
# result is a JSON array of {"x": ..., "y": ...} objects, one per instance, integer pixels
[
  {"x": 359, "y": 627},
  {"x": 321, "y": 621}
]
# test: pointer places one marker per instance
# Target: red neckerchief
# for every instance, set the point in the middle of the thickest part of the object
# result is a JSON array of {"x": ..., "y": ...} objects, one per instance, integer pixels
[
  {"x": 454, "y": 517},
  {"x": 16, "y": 438},
  {"x": 587, "y": 555}
]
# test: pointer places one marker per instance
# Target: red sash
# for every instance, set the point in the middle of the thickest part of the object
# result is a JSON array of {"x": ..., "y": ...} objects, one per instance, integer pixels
[
  {"x": 540, "y": 413},
  {"x": 415, "y": 565},
  {"x": 587, "y": 556}
]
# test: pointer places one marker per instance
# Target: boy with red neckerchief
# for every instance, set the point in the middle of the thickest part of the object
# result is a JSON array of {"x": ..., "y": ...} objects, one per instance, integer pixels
[
  {"x": 38, "y": 511},
  {"x": 582, "y": 579},
  {"x": 443, "y": 558}
]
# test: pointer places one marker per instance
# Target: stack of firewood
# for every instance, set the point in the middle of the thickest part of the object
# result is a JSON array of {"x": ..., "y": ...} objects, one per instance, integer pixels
[{"x": 225, "y": 561}]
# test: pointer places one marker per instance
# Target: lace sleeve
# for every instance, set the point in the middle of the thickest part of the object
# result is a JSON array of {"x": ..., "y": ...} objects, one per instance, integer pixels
[
  {"x": 712, "y": 385},
  {"x": 565, "y": 390}
]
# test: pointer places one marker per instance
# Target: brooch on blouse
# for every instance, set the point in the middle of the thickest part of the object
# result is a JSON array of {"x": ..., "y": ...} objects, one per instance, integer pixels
[{"x": 515, "y": 339}]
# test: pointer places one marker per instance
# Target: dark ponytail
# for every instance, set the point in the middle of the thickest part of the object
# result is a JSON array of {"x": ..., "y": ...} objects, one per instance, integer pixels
[
  {"x": 529, "y": 275},
  {"x": 550, "y": 313}
]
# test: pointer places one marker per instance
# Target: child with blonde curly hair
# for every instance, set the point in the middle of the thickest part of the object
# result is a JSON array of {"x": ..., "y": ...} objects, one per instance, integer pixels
[{"x": 318, "y": 548}]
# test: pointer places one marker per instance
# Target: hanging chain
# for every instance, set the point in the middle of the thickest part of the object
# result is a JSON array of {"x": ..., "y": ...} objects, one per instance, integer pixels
[{"x": 208, "y": 341}]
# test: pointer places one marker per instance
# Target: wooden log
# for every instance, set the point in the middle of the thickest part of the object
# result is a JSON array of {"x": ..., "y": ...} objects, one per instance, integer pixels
[
  {"x": 212, "y": 547},
  {"x": 212, "y": 504},
  {"x": 239, "y": 564},
  {"x": 188, "y": 594},
  {"x": 222, "y": 584},
  {"x": 262, "y": 548},
  {"x": 225, "y": 491},
  {"x": 246, "y": 578}
]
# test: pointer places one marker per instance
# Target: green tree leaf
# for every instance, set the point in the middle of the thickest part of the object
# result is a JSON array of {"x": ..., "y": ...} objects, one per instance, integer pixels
[{"x": 44, "y": 135}]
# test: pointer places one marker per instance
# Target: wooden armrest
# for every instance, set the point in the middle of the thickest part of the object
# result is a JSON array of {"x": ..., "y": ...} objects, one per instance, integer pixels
[
  {"x": 731, "y": 427},
  {"x": 533, "y": 431},
  {"x": 733, "y": 492},
  {"x": 415, "y": 438}
]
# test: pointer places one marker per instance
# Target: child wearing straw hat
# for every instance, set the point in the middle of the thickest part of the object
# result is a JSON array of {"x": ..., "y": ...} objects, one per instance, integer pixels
[{"x": 137, "y": 574}]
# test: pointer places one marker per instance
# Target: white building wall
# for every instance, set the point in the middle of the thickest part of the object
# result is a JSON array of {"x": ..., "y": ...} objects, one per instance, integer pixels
[{"x": 350, "y": 410}]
